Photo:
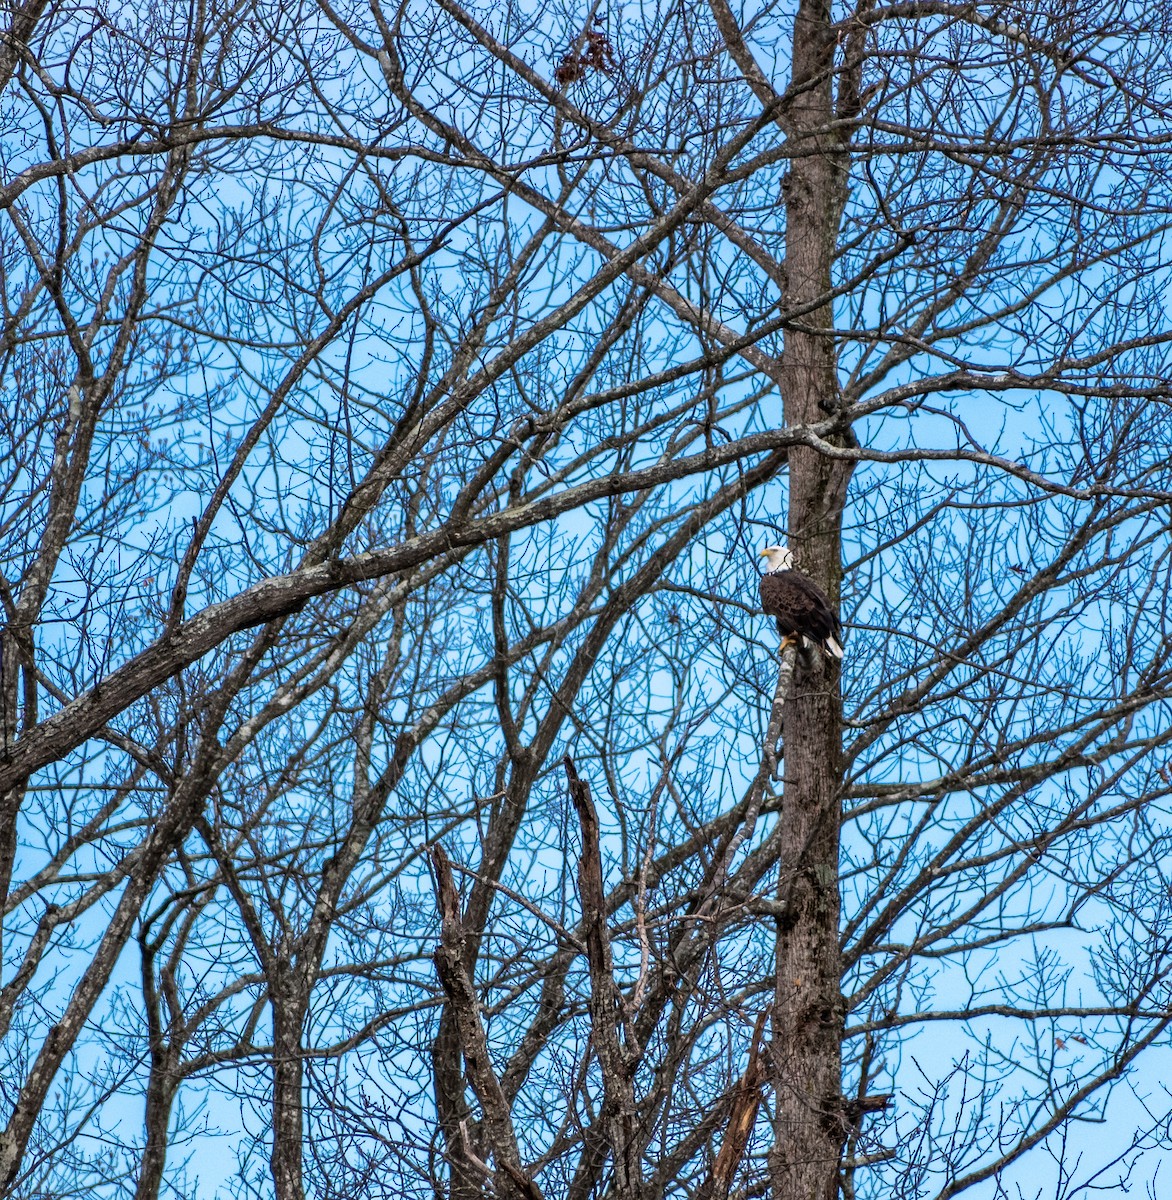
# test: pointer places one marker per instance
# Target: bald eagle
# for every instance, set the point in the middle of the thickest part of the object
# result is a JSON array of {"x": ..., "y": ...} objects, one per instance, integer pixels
[{"x": 801, "y": 607}]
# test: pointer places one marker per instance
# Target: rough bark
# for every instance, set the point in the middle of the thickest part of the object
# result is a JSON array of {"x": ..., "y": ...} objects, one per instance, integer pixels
[
  {"x": 163, "y": 1085},
  {"x": 512, "y": 1180},
  {"x": 159, "y": 1102},
  {"x": 23, "y": 20},
  {"x": 806, "y": 1059},
  {"x": 619, "y": 1110},
  {"x": 288, "y": 1020},
  {"x": 742, "y": 1115}
]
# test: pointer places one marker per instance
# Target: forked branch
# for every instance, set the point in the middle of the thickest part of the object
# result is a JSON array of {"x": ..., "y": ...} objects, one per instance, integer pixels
[
  {"x": 606, "y": 1003},
  {"x": 512, "y": 1180}
]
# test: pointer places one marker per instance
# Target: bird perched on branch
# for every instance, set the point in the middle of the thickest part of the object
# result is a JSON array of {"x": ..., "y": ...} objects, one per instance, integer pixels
[{"x": 801, "y": 607}]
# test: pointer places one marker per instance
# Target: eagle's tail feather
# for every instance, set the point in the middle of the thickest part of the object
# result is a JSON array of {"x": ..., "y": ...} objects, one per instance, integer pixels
[{"x": 832, "y": 647}]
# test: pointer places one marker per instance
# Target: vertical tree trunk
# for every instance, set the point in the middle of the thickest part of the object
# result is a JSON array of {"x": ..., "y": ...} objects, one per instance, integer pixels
[
  {"x": 164, "y": 1080},
  {"x": 808, "y": 1009},
  {"x": 459, "y": 1128},
  {"x": 288, "y": 1019},
  {"x": 160, "y": 1098}
]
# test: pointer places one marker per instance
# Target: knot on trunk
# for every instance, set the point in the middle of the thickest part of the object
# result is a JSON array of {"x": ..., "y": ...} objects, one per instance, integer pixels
[{"x": 840, "y": 1114}]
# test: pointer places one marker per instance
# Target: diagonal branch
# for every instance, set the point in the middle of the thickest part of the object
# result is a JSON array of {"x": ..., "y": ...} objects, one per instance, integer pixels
[
  {"x": 745, "y": 1103},
  {"x": 281, "y": 595}
]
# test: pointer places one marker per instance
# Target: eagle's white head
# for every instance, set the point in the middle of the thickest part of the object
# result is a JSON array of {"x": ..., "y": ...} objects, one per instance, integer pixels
[{"x": 777, "y": 558}]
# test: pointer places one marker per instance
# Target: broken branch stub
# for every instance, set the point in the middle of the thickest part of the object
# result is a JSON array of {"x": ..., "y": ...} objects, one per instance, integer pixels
[
  {"x": 618, "y": 1068},
  {"x": 746, "y": 1101},
  {"x": 511, "y": 1179}
]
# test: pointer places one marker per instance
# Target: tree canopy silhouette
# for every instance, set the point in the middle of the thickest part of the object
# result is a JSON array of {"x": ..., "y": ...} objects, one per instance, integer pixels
[{"x": 401, "y": 793}]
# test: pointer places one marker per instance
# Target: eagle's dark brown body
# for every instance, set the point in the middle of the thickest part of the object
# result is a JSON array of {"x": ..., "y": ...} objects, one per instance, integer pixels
[{"x": 802, "y": 609}]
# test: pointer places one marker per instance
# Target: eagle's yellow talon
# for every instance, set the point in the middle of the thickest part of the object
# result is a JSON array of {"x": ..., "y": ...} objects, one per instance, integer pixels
[{"x": 802, "y": 608}]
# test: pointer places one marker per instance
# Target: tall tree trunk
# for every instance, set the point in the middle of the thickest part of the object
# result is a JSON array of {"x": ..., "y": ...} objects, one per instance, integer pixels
[
  {"x": 808, "y": 1010},
  {"x": 288, "y": 1020},
  {"x": 160, "y": 1099},
  {"x": 460, "y": 1129},
  {"x": 166, "y": 1047}
]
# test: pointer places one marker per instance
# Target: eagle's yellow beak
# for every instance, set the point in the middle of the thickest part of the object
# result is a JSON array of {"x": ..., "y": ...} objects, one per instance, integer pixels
[{"x": 763, "y": 554}]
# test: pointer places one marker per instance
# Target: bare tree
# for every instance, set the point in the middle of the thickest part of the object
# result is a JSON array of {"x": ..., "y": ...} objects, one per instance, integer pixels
[{"x": 401, "y": 792}]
